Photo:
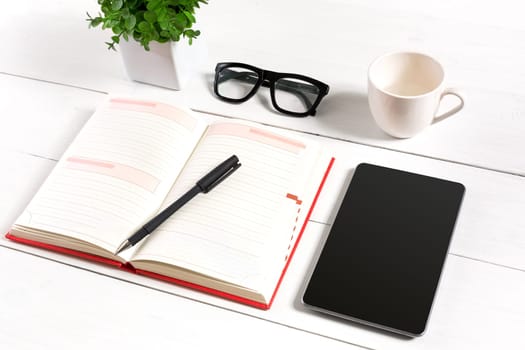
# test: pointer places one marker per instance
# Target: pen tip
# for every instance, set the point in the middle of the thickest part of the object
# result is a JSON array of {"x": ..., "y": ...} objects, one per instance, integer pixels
[{"x": 125, "y": 245}]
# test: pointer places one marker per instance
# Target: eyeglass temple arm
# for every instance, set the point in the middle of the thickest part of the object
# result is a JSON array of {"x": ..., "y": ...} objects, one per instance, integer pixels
[{"x": 285, "y": 85}]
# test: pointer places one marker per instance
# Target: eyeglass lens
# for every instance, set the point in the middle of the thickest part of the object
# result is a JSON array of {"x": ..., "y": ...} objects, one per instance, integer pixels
[
  {"x": 236, "y": 82},
  {"x": 295, "y": 95}
]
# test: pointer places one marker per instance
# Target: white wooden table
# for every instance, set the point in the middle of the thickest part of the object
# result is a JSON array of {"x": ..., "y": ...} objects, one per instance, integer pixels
[{"x": 54, "y": 71}]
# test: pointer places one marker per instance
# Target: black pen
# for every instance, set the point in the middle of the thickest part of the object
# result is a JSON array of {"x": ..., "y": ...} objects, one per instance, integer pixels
[{"x": 205, "y": 185}]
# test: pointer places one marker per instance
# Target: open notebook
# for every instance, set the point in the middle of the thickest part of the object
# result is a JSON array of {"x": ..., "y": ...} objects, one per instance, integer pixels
[{"x": 134, "y": 157}]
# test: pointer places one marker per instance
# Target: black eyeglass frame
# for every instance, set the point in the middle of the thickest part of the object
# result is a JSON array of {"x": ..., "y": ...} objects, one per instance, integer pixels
[{"x": 268, "y": 79}]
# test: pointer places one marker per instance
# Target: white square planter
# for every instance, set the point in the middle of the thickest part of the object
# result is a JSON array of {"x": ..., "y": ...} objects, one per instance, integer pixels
[{"x": 169, "y": 65}]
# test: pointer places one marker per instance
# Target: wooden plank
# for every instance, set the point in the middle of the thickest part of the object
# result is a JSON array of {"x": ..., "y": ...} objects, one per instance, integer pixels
[
  {"x": 41, "y": 118},
  {"x": 49, "y": 305},
  {"x": 20, "y": 178},
  {"x": 480, "y": 53},
  {"x": 478, "y": 305},
  {"x": 54, "y": 43}
]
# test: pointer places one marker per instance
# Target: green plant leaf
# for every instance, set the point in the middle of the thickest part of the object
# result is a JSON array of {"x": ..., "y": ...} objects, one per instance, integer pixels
[
  {"x": 153, "y": 4},
  {"x": 144, "y": 26},
  {"x": 164, "y": 25},
  {"x": 117, "y": 29},
  {"x": 150, "y": 16},
  {"x": 189, "y": 16},
  {"x": 130, "y": 22},
  {"x": 180, "y": 21},
  {"x": 95, "y": 22},
  {"x": 174, "y": 34},
  {"x": 116, "y": 5}
]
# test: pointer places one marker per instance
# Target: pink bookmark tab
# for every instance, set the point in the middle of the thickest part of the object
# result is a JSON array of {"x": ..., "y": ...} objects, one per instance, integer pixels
[
  {"x": 116, "y": 170},
  {"x": 257, "y": 134},
  {"x": 95, "y": 163},
  {"x": 158, "y": 109}
]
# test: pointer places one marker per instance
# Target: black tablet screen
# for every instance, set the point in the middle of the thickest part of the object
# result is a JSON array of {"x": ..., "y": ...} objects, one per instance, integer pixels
[{"x": 382, "y": 260}]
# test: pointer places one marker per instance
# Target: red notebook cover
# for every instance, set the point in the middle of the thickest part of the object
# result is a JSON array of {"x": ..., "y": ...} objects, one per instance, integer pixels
[{"x": 128, "y": 267}]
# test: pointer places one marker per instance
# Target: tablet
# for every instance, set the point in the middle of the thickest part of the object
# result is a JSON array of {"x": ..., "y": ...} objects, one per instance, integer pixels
[{"x": 383, "y": 257}]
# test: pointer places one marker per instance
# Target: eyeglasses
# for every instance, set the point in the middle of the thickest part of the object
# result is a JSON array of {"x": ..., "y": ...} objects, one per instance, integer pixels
[{"x": 292, "y": 94}]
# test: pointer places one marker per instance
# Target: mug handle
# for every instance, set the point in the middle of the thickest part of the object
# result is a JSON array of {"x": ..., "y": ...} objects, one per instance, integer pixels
[{"x": 450, "y": 91}]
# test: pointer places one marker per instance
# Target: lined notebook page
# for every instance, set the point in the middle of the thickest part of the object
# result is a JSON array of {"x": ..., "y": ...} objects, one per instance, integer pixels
[
  {"x": 116, "y": 172},
  {"x": 244, "y": 226}
]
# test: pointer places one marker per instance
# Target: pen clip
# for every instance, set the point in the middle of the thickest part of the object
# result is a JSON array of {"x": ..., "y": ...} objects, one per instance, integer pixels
[
  {"x": 221, "y": 179},
  {"x": 217, "y": 175}
]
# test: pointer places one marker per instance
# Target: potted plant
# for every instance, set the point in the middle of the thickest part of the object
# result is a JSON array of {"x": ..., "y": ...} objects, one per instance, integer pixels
[{"x": 155, "y": 38}]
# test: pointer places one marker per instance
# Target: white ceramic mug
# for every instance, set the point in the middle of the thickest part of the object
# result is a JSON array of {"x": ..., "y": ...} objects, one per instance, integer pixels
[{"x": 404, "y": 92}]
